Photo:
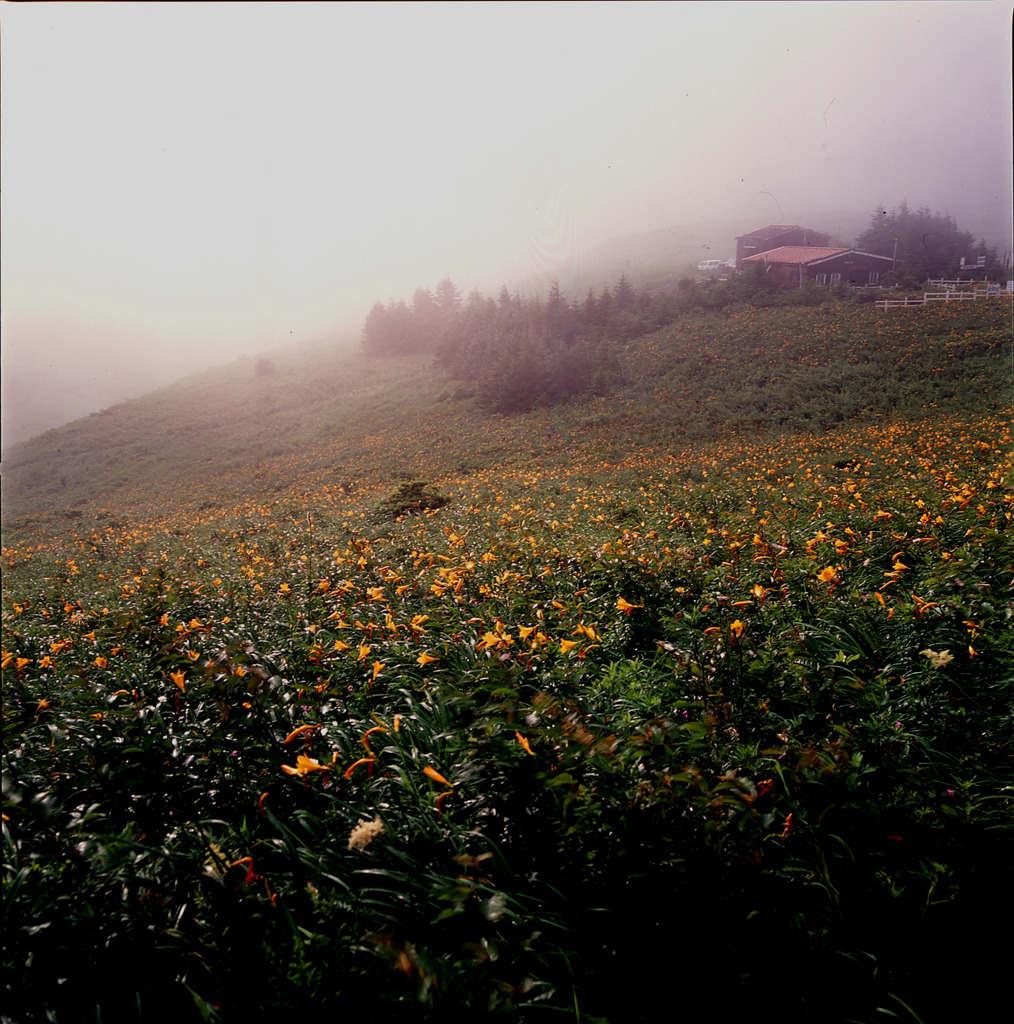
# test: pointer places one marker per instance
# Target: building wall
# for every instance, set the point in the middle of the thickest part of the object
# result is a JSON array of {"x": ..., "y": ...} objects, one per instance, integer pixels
[{"x": 849, "y": 268}]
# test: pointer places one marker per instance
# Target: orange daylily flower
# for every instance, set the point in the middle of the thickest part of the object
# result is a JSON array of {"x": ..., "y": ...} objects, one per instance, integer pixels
[
  {"x": 304, "y": 765},
  {"x": 626, "y": 607}
]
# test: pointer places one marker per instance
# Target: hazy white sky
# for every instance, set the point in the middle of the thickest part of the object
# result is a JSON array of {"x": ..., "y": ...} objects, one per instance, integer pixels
[{"x": 187, "y": 180}]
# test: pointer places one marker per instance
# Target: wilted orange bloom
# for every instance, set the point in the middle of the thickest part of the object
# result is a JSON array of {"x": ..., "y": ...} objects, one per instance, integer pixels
[{"x": 524, "y": 743}]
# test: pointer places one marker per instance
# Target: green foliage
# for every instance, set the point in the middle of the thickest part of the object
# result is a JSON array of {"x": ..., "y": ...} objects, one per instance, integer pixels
[{"x": 926, "y": 244}]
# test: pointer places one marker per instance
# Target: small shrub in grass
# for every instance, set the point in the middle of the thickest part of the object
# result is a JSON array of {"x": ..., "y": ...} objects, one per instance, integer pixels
[{"x": 411, "y": 498}]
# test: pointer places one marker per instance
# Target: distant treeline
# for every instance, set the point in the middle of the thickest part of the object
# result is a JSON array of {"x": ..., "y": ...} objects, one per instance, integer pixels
[
  {"x": 517, "y": 353},
  {"x": 928, "y": 245}
]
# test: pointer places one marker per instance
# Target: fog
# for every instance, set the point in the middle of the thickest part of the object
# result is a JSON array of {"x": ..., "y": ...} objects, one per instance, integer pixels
[{"x": 186, "y": 182}]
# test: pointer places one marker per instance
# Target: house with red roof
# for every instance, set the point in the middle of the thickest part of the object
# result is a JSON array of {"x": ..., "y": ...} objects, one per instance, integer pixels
[
  {"x": 794, "y": 265},
  {"x": 774, "y": 236}
]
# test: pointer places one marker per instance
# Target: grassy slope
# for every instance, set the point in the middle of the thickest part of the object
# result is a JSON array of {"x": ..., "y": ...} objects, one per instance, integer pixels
[
  {"x": 676, "y": 673},
  {"x": 357, "y": 422}
]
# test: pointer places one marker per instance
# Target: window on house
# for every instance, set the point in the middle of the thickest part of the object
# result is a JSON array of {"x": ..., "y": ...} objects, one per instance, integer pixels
[
  {"x": 749, "y": 243},
  {"x": 836, "y": 279},
  {"x": 873, "y": 278},
  {"x": 822, "y": 279}
]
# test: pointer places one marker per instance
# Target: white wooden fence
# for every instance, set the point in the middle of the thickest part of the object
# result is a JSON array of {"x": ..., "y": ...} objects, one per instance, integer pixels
[{"x": 990, "y": 292}]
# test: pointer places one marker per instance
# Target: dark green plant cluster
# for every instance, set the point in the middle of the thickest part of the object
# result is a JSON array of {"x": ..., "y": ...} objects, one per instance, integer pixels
[{"x": 410, "y": 499}]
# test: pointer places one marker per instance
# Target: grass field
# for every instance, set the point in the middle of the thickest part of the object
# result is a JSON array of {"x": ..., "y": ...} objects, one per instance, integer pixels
[{"x": 350, "y": 698}]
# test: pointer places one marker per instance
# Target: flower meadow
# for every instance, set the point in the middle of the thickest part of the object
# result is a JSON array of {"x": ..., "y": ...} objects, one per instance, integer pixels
[{"x": 550, "y": 731}]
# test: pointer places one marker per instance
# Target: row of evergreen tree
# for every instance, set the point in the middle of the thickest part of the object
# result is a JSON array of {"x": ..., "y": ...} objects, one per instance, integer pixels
[
  {"x": 516, "y": 353},
  {"x": 927, "y": 245}
]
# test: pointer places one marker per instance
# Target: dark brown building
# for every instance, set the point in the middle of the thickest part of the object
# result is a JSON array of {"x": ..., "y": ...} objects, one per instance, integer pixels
[
  {"x": 773, "y": 236},
  {"x": 796, "y": 264}
]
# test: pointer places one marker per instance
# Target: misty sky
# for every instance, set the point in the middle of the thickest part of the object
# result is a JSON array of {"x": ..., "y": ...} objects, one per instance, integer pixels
[{"x": 185, "y": 182}]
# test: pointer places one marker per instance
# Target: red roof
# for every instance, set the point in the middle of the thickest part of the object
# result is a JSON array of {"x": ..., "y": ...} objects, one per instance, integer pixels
[{"x": 796, "y": 254}]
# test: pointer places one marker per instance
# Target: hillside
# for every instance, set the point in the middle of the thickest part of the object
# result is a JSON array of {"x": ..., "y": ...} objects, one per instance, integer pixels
[
  {"x": 327, "y": 415},
  {"x": 326, "y": 693}
]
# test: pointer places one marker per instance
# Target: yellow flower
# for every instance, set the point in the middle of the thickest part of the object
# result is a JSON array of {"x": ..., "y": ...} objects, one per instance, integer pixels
[
  {"x": 179, "y": 678},
  {"x": 304, "y": 765},
  {"x": 828, "y": 574},
  {"x": 626, "y": 607},
  {"x": 736, "y": 629},
  {"x": 425, "y": 659},
  {"x": 524, "y": 743},
  {"x": 568, "y": 645},
  {"x": 488, "y": 640},
  {"x": 378, "y": 667}
]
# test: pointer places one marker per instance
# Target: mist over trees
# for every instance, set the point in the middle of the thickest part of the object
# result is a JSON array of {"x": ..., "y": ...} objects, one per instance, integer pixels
[
  {"x": 929, "y": 245},
  {"x": 514, "y": 353}
]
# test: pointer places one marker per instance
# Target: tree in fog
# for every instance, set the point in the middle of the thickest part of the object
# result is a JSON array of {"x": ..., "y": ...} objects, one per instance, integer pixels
[{"x": 928, "y": 244}]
